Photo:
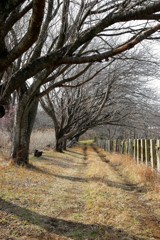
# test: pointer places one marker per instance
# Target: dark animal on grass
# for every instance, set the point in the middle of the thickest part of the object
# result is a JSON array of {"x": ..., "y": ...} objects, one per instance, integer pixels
[{"x": 37, "y": 153}]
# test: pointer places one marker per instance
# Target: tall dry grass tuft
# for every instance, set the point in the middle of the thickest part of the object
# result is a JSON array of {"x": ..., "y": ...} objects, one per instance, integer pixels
[
  {"x": 5, "y": 145},
  {"x": 42, "y": 138},
  {"x": 137, "y": 173}
]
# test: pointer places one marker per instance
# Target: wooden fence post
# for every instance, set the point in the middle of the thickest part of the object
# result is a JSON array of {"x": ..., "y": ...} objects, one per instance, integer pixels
[
  {"x": 120, "y": 146},
  {"x": 130, "y": 147},
  {"x": 142, "y": 150},
  {"x": 123, "y": 146},
  {"x": 147, "y": 151},
  {"x": 117, "y": 146},
  {"x": 127, "y": 146},
  {"x": 104, "y": 144},
  {"x": 158, "y": 154},
  {"x": 111, "y": 145},
  {"x": 114, "y": 145},
  {"x": 135, "y": 149},
  {"x": 153, "y": 153},
  {"x": 138, "y": 150}
]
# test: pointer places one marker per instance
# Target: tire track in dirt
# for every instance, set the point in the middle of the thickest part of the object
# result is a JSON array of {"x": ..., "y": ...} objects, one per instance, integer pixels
[
  {"x": 68, "y": 221},
  {"x": 135, "y": 193},
  {"x": 78, "y": 221}
]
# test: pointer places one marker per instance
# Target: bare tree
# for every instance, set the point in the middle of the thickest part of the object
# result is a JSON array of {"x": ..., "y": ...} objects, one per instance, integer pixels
[
  {"x": 73, "y": 25},
  {"x": 118, "y": 95},
  {"x": 12, "y": 12},
  {"x": 48, "y": 37}
]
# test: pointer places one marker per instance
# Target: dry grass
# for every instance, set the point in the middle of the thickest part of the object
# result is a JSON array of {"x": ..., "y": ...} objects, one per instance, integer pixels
[
  {"x": 4, "y": 144},
  {"x": 122, "y": 194},
  {"x": 30, "y": 193},
  {"x": 72, "y": 196},
  {"x": 42, "y": 138},
  {"x": 140, "y": 173}
]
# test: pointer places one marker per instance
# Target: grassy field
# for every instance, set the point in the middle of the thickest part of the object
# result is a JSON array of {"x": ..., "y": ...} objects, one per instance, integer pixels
[
  {"x": 39, "y": 140},
  {"x": 84, "y": 193}
]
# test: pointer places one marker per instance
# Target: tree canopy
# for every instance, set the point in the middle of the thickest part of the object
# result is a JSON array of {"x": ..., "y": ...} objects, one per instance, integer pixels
[
  {"x": 117, "y": 95},
  {"x": 48, "y": 34}
]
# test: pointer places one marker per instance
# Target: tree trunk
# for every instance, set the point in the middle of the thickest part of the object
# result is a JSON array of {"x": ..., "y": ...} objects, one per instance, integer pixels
[
  {"x": 77, "y": 138},
  {"x": 59, "y": 146},
  {"x": 24, "y": 120},
  {"x": 65, "y": 145},
  {"x": 59, "y": 139}
]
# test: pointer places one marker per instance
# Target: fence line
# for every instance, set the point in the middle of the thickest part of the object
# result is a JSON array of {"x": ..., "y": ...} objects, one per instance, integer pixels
[{"x": 146, "y": 151}]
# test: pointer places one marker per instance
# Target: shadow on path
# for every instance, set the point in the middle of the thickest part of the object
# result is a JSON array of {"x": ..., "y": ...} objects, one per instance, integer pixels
[
  {"x": 76, "y": 230},
  {"x": 101, "y": 155},
  {"x": 72, "y": 154},
  {"x": 34, "y": 168},
  {"x": 70, "y": 178},
  {"x": 85, "y": 152},
  {"x": 127, "y": 187},
  {"x": 59, "y": 161},
  {"x": 68, "y": 150}
]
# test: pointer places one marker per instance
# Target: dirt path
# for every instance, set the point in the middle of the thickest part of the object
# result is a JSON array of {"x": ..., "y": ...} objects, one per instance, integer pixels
[
  {"x": 83, "y": 196},
  {"x": 100, "y": 203}
]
